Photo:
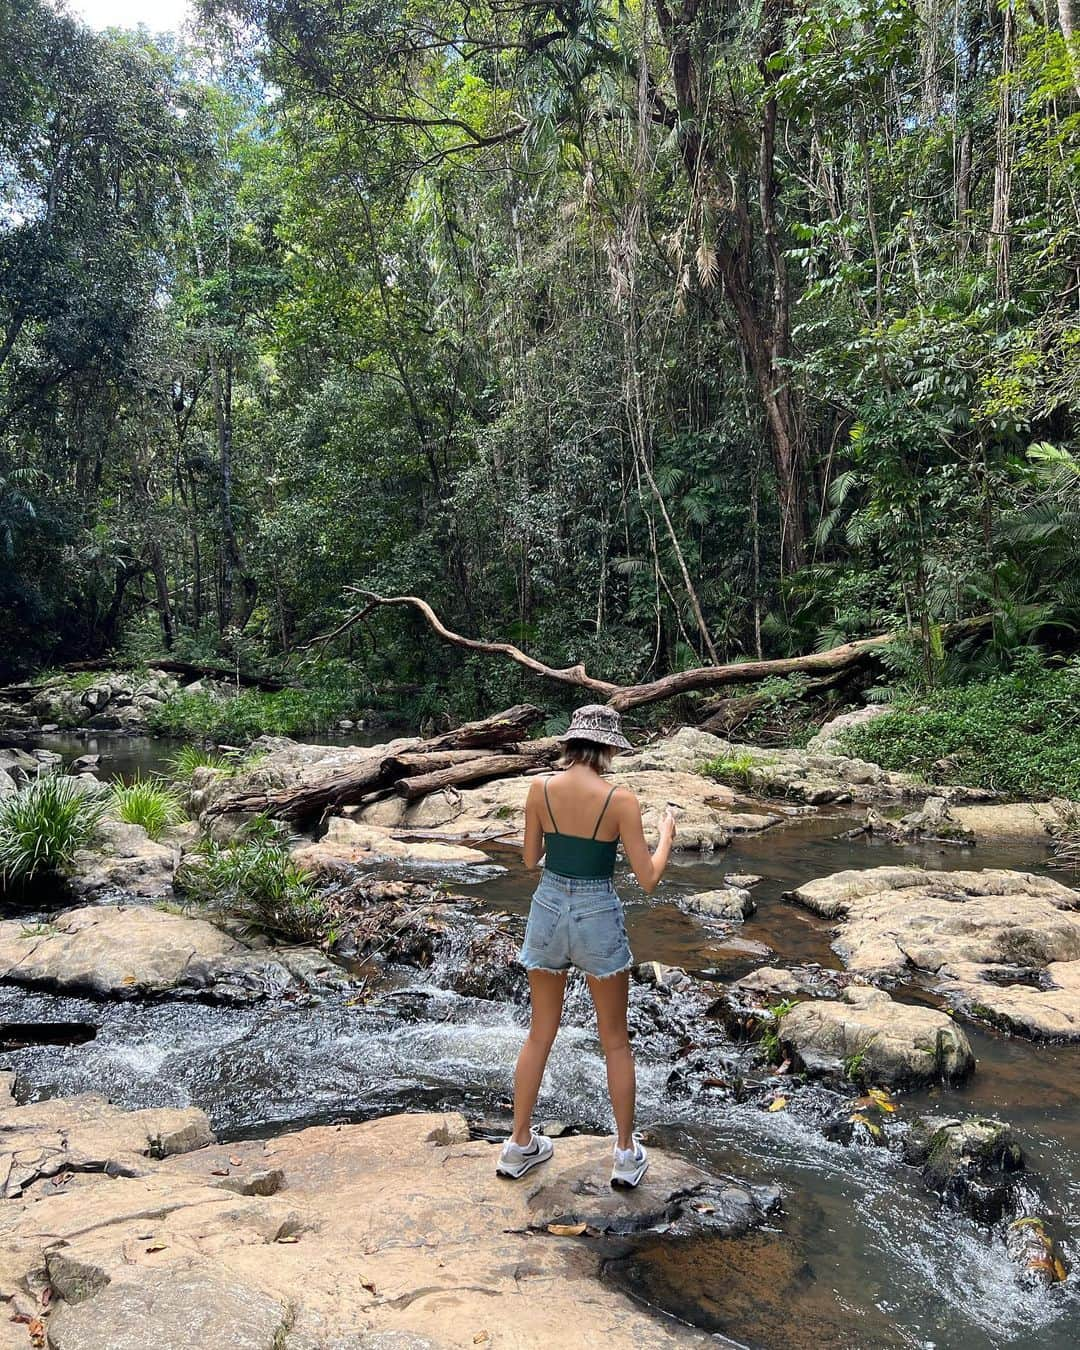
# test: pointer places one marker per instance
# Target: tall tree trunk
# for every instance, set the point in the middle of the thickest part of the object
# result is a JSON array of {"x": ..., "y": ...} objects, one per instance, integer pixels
[{"x": 1067, "y": 19}]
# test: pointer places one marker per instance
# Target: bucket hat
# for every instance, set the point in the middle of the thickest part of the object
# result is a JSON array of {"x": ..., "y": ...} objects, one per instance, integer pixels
[{"x": 596, "y": 722}]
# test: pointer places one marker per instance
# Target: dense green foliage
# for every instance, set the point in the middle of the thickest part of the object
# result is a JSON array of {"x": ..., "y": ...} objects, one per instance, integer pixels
[
  {"x": 1017, "y": 732},
  {"x": 637, "y": 335},
  {"x": 148, "y": 802},
  {"x": 42, "y": 826},
  {"x": 255, "y": 881}
]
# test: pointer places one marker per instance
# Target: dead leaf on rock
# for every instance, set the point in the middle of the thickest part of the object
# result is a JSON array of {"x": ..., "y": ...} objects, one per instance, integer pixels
[
  {"x": 219, "y": 1171},
  {"x": 288, "y": 1237},
  {"x": 777, "y": 1104},
  {"x": 566, "y": 1229},
  {"x": 158, "y": 1247},
  {"x": 369, "y": 1286},
  {"x": 36, "y": 1328},
  {"x": 480, "y": 1338},
  {"x": 236, "y": 1161}
]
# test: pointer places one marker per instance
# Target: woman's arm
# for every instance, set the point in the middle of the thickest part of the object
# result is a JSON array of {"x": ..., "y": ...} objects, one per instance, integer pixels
[
  {"x": 648, "y": 867},
  {"x": 534, "y": 826}
]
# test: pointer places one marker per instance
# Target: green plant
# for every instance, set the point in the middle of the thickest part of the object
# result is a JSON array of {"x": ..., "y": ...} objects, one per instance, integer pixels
[
  {"x": 1017, "y": 732},
  {"x": 735, "y": 769},
  {"x": 147, "y": 802},
  {"x": 1065, "y": 833},
  {"x": 188, "y": 758},
  {"x": 42, "y": 826},
  {"x": 245, "y": 715},
  {"x": 254, "y": 879}
]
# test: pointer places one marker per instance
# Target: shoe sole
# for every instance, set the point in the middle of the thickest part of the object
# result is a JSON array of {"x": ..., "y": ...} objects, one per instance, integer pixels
[
  {"x": 628, "y": 1182},
  {"x": 501, "y": 1171}
]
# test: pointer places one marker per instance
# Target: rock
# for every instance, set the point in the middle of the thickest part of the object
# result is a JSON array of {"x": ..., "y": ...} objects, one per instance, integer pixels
[
  {"x": 1016, "y": 822},
  {"x": 743, "y": 880},
  {"x": 123, "y": 857},
  {"x": 267, "y": 1181},
  {"x": 108, "y": 950},
  {"x": 972, "y": 1164},
  {"x": 7, "y": 784},
  {"x": 933, "y": 820},
  {"x": 178, "y": 1313},
  {"x": 829, "y": 734},
  {"x": 18, "y": 765},
  {"x": 50, "y": 727},
  {"x": 1003, "y": 944},
  {"x": 355, "y": 841},
  {"x": 703, "y": 824},
  {"x": 872, "y": 1039},
  {"x": 731, "y": 902},
  {"x": 384, "y": 1237},
  {"x": 1043, "y": 1004},
  {"x": 87, "y": 1134},
  {"x": 656, "y": 973},
  {"x": 1030, "y": 1245},
  {"x": 134, "y": 951},
  {"x": 7, "y": 1088},
  {"x": 772, "y": 982}
]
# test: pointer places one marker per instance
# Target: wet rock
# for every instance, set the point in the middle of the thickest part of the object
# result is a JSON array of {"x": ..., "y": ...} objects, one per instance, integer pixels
[
  {"x": 730, "y": 902},
  {"x": 7, "y": 1088},
  {"x": 71, "y": 1279},
  {"x": 972, "y": 1164},
  {"x": 123, "y": 857},
  {"x": 7, "y": 784},
  {"x": 869, "y": 1038},
  {"x": 934, "y": 820},
  {"x": 85, "y": 764},
  {"x": 171, "y": 1314},
  {"x": 1040, "y": 1003},
  {"x": 968, "y": 928},
  {"x": 88, "y": 1134},
  {"x": 1031, "y": 1246},
  {"x": 744, "y": 880},
  {"x": 665, "y": 977}
]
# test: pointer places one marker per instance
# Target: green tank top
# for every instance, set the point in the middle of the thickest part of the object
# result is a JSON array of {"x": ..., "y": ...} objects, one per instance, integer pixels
[{"x": 572, "y": 855}]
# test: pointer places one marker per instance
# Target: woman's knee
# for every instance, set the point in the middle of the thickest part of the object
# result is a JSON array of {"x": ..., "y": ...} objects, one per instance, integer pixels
[
  {"x": 542, "y": 1037},
  {"x": 615, "y": 1041}
]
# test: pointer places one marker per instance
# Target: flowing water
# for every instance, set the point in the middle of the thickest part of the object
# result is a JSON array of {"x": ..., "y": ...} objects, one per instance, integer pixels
[{"x": 861, "y": 1257}]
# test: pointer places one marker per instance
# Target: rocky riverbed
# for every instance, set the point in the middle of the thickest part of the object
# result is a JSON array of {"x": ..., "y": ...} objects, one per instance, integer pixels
[{"x": 787, "y": 1052}]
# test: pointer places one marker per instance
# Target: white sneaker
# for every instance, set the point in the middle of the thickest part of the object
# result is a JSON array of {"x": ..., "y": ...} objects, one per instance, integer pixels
[
  {"x": 515, "y": 1161},
  {"x": 630, "y": 1165}
]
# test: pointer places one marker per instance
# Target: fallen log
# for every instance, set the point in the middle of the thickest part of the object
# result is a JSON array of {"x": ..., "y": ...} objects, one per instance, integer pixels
[
  {"x": 446, "y": 753},
  {"x": 476, "y": 771},
  {"x": 725, "y": 715},
  {"x": 624, "y": 697}
]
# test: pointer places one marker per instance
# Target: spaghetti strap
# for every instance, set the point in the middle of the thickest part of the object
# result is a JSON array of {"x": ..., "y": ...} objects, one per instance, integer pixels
[
  {"x": 547, "y": 803},
  {"x": 600, "y": 817}
]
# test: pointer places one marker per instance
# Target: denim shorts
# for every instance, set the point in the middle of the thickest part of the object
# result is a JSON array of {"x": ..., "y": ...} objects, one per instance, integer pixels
[{"x": 575, "y": 923}]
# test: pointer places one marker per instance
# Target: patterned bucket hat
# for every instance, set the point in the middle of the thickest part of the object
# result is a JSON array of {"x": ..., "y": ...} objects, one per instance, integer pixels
[{"x": 596, "y": 722}]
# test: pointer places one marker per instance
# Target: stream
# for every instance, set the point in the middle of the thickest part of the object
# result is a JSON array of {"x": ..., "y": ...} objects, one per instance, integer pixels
[{"x": 861, "y": 1257}]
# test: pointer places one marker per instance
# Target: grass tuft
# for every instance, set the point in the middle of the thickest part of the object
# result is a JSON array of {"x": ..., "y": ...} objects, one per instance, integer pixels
[
  {"x": 42, "y": 826},
  {"x": 147, "y": 802}
]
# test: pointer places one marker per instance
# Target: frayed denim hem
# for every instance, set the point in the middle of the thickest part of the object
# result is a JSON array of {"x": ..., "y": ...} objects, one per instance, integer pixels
[
  {"x": 565, "y": 970},
  {"x": 611, "y": 973}
]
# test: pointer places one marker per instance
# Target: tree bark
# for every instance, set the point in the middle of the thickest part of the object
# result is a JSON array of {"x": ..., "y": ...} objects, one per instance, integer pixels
[{"x": 457, "y": 775}]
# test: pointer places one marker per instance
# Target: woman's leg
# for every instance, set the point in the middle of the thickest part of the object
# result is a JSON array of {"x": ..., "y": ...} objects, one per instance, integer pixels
[
  {"x": 609, "y": 997},
  {"x": 546, "y": 990}
]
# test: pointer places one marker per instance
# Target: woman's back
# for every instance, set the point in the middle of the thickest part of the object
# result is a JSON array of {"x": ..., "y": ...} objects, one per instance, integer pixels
[{"x": 580, "y": 834}]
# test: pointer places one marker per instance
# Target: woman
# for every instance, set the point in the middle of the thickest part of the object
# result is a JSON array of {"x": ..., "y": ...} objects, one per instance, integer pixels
[{"x": 577, "y": 821}]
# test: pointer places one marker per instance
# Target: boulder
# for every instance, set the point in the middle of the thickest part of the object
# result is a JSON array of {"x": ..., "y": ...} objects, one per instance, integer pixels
[
  {"x": 1012, "y": 823},
  {"x": 123, "y": 857},
  {"x": 7, "y": 784},
  {"x": 972, "y": 1164},
  {"x": 870, "y": 1038},
  {"x": 729, "y": 902},
  {"x": 396, "y": 1232},
  {"x": 85, "y": 764},
  {"x": 89, "y": 1134},
  {"x": 18, "y": 765},
  {"x": 109, "y": 950},
  {"x": 831, "y": 732},
  {"x": 1003, "y": 944}
]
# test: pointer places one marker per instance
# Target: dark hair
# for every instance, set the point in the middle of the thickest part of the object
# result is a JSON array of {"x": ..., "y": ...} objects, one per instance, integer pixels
[{"x": 598, "y": 757}]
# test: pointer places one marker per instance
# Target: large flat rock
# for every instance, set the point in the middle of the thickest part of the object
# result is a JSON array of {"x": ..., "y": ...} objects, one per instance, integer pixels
[
  {"x": 395, "y": 1232},
  {"x": 89, "y": 1134},
  {"x": 123, "y": 857},
  {"x": 994, "y": 938},
  {"x": 107, "y": 949}
]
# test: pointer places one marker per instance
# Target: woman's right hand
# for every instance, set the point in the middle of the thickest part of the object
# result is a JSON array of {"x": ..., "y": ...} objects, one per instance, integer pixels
[{"x": 668, "y": 823}]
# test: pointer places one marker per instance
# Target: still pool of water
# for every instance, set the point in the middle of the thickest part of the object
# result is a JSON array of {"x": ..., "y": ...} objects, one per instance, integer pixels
[{"x": 861, "y": 1257}]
